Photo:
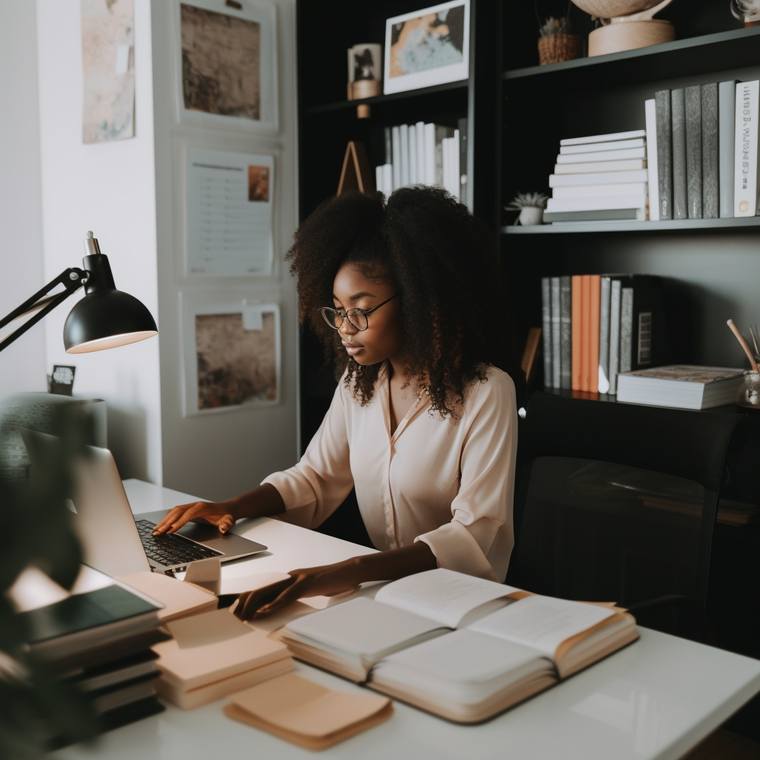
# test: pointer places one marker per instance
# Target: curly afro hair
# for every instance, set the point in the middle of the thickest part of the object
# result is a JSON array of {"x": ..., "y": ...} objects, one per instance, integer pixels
[{"x": 443, "y": 262}]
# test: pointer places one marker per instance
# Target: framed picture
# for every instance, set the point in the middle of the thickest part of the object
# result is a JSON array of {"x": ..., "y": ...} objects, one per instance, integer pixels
[
  {"x": 229, "y": 214},
  {"x": 427, "y": 47},
  {"x": 231, "y": 354},
  {"x": 226, "y": 64}
]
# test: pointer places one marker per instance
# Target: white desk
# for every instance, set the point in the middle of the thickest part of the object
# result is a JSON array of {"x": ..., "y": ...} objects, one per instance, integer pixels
[{"x": 654, "y": 699}]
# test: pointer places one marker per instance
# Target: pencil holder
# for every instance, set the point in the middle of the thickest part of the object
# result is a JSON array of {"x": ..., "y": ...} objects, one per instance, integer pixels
[{"x": 748, "y": 395}]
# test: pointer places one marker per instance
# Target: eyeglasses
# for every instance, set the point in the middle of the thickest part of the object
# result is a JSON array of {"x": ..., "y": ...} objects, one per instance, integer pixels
[{"x": 357, "y": 317}]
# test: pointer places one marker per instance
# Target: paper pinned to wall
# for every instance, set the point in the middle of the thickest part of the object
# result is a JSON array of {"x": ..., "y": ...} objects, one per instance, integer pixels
[{"x": 229, "y": 213}]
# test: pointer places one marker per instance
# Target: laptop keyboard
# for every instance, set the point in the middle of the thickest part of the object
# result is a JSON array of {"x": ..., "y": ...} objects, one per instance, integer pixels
[{"x": 170, "y": 549}]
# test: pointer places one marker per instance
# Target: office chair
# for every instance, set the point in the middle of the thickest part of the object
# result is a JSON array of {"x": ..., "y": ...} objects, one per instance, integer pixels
[{"x": 616, "y": 502}]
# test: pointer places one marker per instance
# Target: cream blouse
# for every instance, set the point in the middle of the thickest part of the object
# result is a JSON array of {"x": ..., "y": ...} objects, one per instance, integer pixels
[{"x": 449, "y": 484}]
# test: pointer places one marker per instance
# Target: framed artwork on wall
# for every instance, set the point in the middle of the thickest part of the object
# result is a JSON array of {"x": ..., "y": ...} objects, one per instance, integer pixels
[
  {"x": 226, "y": 64},
  {"x": 231, "y": 353},
  {"x": 427, "y": 47}
]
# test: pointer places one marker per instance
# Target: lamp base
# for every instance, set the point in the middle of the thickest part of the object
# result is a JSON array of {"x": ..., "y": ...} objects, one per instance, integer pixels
[{"x": 628, "y": 35}]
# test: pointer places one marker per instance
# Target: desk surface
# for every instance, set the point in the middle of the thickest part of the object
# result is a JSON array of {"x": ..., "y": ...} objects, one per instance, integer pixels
[{"x": 656, "y": 698}]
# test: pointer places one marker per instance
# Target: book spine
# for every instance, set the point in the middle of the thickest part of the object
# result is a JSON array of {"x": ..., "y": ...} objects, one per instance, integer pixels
[
  {"x": 412, "y": 154},
  {"x": 379, "y": 179},
  {"x": 710, "y": 184},
  {"x": 601, "y": 166},
  {"x": 604, "y": 335},
  {"x": 388, "y": 145},
  {"x": 546, "y": 328},
  {"x": 614, "y": 367},
  {"x": 638, "y": 142},
  {"x": 565, "y": 312},
  {"x": 586, "y": 333},
  {"x": 603, "y": 138},
  {"x": 576, "y": 332},
  {"x": 594, "y": 303},
  {"x": 556, "y": 380},
  {"x": 601, "y": 155},
  {"x": 726, "y": 130},
  {"x": 626, "y": 328},
  {"x": 650, "y": 116},
  {"x": 664, "y": 153},
  {"x": 388, "y": 178},
  {"x": 746, "y": 148},
  {"x": 693, "y": 129},
  {"x": 601, "y": 178},
  {"x": 597, "y": 202},
  {"x": 589, "y": 191},
  {"x": 462, "y": 127},
  {"x": 678, "y": 128},
  {"x": 420, "y": 135},
  {"x": 404, "y": 157},
  {"x": 396, "y": 150}
]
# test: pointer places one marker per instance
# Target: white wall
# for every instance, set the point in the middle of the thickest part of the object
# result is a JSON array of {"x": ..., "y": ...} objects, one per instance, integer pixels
[
  {"x": 22, "y": 364},
  {"x": 220, "y": 454},
  {"x": 108, "y": 188}
]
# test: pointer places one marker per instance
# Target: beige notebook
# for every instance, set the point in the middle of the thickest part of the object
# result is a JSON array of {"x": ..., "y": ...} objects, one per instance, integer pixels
[
  {"x": 178, "y": 597},
  {"x": 213, "y": 646},
  {"x": 306, "y": 713}
]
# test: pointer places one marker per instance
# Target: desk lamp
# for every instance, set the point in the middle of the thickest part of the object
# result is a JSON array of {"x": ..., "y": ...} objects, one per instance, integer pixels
[{"x": 104, "y": 318}]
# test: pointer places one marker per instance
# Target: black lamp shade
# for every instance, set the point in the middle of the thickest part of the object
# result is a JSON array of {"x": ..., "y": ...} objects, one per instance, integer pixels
[{"x": 104, "y": 319}]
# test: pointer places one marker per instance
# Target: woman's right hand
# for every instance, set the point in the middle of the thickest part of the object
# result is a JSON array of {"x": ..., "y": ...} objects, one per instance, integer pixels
[{"x": 211, "y": 512}]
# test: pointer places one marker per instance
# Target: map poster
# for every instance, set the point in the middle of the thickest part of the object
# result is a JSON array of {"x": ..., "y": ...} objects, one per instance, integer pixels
[
  {"x": 108, "y": 70},
  {"x": 229, "y": 213},
  {"x": 227, "y": 72}
]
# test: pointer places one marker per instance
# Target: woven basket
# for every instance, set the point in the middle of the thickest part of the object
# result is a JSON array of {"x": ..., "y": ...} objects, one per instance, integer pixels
[{"x": 559, "y": 47}]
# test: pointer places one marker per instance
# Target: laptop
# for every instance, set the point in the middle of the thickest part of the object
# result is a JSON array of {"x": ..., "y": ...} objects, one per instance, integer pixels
[{"x": 115, "y": 541}]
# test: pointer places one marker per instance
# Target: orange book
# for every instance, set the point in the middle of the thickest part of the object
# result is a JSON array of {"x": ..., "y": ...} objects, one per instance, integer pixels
[
  {"x": 585, "y": 332},
  {"x": 575, "y": 364},
  {"x": 595, "y": 281}
]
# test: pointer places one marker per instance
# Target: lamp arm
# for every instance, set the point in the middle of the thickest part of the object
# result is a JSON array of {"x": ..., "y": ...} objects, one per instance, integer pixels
[{"x": 71, "y": 279}]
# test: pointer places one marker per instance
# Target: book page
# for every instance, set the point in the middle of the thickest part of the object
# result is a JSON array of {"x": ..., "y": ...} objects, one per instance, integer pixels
[
  {"x": 542, "y": 622},
  {"x": 361, "y": 627},
  {"x": 442, "y": 595}
]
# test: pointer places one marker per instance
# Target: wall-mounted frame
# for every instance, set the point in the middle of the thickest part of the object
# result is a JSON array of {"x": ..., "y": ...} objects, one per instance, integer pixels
[
  {"x": 231, "y": 353},
  {"x": 229, "y": 213},
  {"x": 226, "y": 64},
  {"x": 427, "y": 47}
]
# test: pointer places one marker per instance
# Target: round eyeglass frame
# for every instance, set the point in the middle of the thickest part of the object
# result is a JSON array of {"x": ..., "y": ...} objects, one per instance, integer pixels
[{"x": 330, "y": 315}]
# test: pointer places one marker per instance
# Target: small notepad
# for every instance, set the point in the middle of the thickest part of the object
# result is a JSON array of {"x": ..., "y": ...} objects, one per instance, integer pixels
[{"x": 306, "y": 713}]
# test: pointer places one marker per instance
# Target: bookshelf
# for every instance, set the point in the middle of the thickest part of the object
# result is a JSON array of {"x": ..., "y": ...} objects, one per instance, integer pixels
[{"x": 709, "y": 260}]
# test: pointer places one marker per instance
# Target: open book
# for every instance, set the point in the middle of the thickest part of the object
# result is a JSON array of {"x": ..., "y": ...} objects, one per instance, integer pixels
[{"x": 461, "y": 647}]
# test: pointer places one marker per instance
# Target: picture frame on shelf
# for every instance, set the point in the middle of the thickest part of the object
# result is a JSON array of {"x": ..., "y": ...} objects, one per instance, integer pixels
[
  {"x": 427, "y": 47},
  {"x": 231, "y": 351},
  {"x": 213, "y": 40}
]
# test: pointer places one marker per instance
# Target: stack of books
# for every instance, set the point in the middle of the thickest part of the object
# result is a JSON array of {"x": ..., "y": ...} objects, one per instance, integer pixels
[
  {"x": 426, "y": 154},
  {"x": 705, "y": 151},
  {"x": 100, "y": 641},
  {"x": 213, "y": 655},
  {"x": 596, "y": 326},
  {"x": 600, "y": 178}
]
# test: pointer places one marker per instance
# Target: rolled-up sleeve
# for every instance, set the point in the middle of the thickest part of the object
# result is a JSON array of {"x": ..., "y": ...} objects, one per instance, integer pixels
[
  {"x": 480, "y": 537},
  {"x": 314, "y": 488}
]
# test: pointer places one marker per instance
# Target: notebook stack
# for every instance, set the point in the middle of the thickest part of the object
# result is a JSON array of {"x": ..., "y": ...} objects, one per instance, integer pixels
[
  {"x": 600, "y": 178},
  {"x": 213, "y": 655},
  {"x": 100, "y": 641}
]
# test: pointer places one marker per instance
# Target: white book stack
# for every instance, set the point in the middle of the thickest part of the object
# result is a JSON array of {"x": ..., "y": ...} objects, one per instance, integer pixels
[
  {"x": 600, "y": 178},
  {"x": 423, "y": 153}
]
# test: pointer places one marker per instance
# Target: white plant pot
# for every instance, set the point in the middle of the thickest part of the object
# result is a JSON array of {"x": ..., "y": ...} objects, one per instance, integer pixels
[{"x": 530, "y": 215}]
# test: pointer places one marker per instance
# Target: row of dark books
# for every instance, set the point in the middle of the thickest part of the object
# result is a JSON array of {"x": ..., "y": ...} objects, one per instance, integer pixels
[
  {"x": 427, "y": 154},
  {"x": 705, "y": 161},
  {"x": 597, "y": 326}
]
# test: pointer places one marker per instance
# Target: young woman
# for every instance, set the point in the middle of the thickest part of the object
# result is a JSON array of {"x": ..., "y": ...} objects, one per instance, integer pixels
[{"x": 423, "y": 423}]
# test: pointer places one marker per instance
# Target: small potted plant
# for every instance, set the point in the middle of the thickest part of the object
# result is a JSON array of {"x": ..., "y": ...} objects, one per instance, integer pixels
[
  {"x": 556, "y": 42},
  {"x": 531, "y": 207}
]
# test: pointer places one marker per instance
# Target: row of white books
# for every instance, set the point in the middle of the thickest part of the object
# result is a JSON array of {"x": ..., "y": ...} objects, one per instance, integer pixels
[
  {"x": 697, "y": 158},
  {"x": 600, "y": 178},
  {"x": 424, "y": 153}
]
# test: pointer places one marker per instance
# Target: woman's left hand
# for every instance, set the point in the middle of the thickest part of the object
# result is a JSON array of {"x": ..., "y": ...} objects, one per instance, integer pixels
[{"x": 325, "y": 580}]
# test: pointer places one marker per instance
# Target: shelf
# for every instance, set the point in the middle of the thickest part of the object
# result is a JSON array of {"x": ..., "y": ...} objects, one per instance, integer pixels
[
  {"x": 558, "y": 228},
  {"x": 425, "y": 92},
  {"x": 695, "y": 56}
]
